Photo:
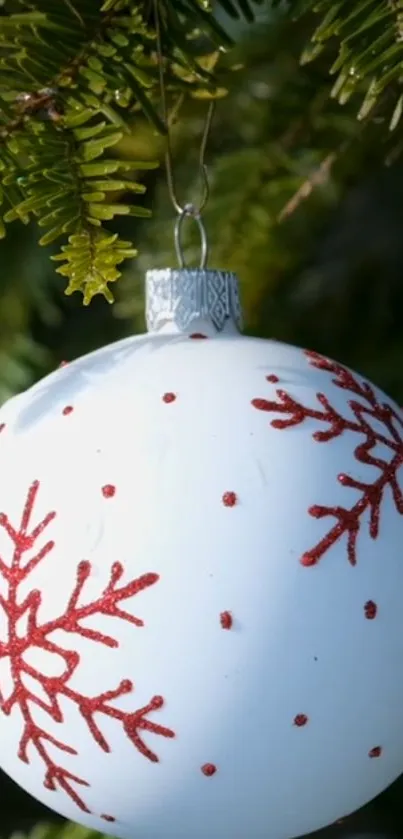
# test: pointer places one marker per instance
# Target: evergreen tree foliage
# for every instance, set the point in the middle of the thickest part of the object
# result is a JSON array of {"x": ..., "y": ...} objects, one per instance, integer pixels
[
  {"x": 369, "y": 50},
  {"x": 74, "y": 73}
]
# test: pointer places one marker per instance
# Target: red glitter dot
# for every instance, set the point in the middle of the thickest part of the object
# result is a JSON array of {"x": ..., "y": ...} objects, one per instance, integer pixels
[
  {"x": 107, "y": 818},
  {"x": 68, "y": 409},
  {"x": 229, "y": 499},
  {"x": 2, "y": 426},
  {"x": 168, "y": 397},
  {"x": 300, "y": 720},
  {"x": 108, "y": 491},
  {"x": 197, "y": 335},
  {"x": 272, "y": 378},
  {"x": 209, "y": 769},
  {"x": 226, "y": 620},
  {"x": 375, "y": 752},
  {"x": 370, "y": 610}
]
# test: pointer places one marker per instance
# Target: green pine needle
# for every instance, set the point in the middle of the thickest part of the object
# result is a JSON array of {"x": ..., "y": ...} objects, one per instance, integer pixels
[
  {"x": 72, "y": 76},
  {"x": 75, "y": 74},
  {"x": 91, "y": 260},
  {"x": 368, "y": 35}
]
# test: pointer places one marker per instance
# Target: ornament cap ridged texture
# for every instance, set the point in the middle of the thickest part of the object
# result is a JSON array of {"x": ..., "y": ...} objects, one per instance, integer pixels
[{"x": 182, "y": 298}]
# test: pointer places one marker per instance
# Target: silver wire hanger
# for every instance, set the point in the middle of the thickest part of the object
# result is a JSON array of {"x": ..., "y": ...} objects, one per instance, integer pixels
[{"x": 188, "y": 210}]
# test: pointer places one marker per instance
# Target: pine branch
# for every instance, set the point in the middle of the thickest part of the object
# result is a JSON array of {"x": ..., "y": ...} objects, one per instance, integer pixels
[
  {"x": 66, "y": 190},
  {"x": 72, "y": 74},
  {"x": 368, "y": 36},
  {"x": 75, "y": 74}
]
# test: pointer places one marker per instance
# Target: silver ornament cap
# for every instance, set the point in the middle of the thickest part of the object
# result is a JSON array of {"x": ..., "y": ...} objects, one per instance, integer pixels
[{"x": 183, "y": 300}]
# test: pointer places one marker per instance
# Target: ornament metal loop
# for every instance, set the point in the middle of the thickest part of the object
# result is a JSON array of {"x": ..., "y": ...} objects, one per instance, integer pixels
[{"x": 190, "y": 211}]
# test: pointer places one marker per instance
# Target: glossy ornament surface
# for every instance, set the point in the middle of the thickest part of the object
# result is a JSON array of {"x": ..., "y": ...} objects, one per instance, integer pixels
[{"x": 201, "y": 576}]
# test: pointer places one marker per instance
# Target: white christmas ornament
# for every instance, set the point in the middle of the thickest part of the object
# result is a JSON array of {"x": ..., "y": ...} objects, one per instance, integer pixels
[{"x": 201, "y": 572}]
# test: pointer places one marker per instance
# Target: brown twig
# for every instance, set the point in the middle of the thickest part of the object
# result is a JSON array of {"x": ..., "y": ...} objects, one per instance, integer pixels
[{"x": 319, "y": 177}]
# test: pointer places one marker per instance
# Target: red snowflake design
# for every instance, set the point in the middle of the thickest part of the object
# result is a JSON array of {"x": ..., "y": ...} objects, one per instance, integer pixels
[
  {"x": 39, "y": 635},
  {"x": 365, "y": 408}
]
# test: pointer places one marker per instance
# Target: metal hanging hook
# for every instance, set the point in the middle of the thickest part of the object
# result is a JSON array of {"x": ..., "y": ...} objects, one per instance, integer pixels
[
  {"x": 205, "y": 187},
  {"x": 188, "y": 210}
]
